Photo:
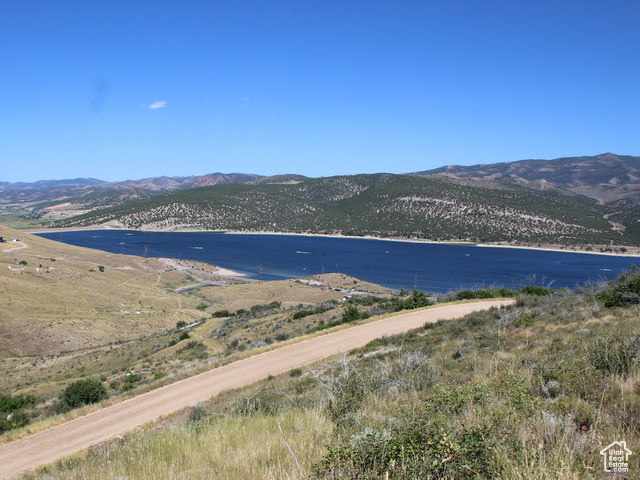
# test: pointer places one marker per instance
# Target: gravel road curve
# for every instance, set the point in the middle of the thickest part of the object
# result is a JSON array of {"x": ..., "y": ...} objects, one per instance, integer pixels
[{"x": 27, "y": 453}]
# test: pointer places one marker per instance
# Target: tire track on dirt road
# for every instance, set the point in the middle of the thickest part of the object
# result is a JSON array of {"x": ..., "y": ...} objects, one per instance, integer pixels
[{"x": 49, "y": 445}]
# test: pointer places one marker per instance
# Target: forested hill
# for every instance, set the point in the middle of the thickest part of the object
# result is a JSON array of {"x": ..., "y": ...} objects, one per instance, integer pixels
[{"x": 380, "y": 205}]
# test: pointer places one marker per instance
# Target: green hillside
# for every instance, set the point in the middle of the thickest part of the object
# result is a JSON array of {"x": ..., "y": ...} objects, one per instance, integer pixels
[{"x": 381, "y": 205}]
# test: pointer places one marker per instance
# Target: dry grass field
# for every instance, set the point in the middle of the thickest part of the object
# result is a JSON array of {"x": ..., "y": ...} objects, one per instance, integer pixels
[
  {"x": 57, "y": 297},
  {"x": 68, "y": 312}
]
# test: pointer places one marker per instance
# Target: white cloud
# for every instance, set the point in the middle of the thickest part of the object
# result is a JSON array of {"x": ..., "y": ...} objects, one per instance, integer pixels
[{"x": 158, "y": 104}]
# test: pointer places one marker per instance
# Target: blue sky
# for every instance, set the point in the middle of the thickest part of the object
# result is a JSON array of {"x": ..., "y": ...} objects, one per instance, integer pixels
[{"x": 315, "y": 87}]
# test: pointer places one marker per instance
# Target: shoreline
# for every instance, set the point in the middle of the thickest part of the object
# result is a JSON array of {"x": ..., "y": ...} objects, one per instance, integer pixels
[
  {"x": 632, "y": 251},
  {"x": 191, "y": 266}
]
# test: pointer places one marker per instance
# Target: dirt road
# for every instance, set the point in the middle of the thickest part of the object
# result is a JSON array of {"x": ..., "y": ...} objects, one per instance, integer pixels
[{"x": 47, "y": 446}]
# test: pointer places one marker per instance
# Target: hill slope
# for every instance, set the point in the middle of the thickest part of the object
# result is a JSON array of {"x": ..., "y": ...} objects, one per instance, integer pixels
[
  {"x": 57, "y": 297},
  {"x": 63, "y": 198},
  {"x": 379, "y": 205},
  {"x": 606, "y": 177}
]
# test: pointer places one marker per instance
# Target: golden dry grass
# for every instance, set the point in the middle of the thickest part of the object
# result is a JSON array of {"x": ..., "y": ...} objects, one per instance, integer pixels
[
  {"x": 55, "y": 298},
  {"x": 218, "y": 447}
]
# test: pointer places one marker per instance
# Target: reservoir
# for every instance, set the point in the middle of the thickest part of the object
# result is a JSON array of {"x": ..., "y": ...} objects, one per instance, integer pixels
[{"x": 432, "y": 267}]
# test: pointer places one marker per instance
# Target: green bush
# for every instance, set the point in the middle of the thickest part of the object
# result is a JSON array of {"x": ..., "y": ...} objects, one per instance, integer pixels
[
  {"x": 417, "y": 299},
  {"x": 132, "y": 378},
  {"x": 11, "y": 404},
  {"x": 533, "y": 290},
  {"x": 624, "y": 290},
  {"x": 484, "y": 293},
  {"x": 83, "y": 392},
  {"x": 420, "y": 449},
  {"x": 524, "y": 321},
  {"x": 11, "y": 411},
  {"x": 17, "y": 419},
  {"x": 351, "y": 314},
  {"x": 307, "y": 312},
  {"x": 302, "y": 314}
]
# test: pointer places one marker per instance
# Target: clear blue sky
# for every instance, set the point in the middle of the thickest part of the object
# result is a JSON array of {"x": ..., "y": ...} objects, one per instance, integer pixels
[{"x": 315, "y": 87}]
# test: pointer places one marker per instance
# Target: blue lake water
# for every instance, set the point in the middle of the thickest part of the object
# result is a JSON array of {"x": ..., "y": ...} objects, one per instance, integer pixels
[{"x": 437, "y": 268}]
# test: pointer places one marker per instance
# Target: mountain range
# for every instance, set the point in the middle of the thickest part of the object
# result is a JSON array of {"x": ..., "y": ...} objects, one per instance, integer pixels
[
  {"x": 566, "y": 200},
  {"x": 607, "y": 177}
]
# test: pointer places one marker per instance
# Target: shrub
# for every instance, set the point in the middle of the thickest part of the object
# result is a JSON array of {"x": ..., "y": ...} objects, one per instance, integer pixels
[
  {"x": 181, "y": 324},
  {"x": 11, "y": 413},
  {"x": 11, "y": 404},
  {"x": 83, "y": 392},
  {"x": 524, "y": 321},
  {"x": 202, "y": 307},
  {"x": 184, "y": 336},
  {"x": 132, "y": 378},
  {"x": 101, "y": 268},
  {"x": 417, "y": 299},
  {"x": 351, "y": 314},
  {"x": 615, "y": 355},
  {"x": 221, "y": 314},
  {"x": 17, "y": 419},
  {"x": 622, "y": 291},
  {"x": 417, "y": 450},
  {"x": 533, "y": 290},
  {"x": 485, "y": 293},
  {"x": 197, "y": 413},
  {"x": 302, "y": 314}
]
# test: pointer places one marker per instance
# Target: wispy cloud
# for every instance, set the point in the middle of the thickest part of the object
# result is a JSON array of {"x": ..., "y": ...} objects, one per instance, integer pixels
[{"x": 158, "y": 104}]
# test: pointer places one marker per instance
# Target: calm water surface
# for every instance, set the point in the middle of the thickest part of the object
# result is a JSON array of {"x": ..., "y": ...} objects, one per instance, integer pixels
[{"x": 436, "y": 268}]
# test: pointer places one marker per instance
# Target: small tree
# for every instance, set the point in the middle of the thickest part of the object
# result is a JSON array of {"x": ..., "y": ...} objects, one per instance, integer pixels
[
  {"x": 351, "y": 314},
  {"x": 83, "y": 392}
]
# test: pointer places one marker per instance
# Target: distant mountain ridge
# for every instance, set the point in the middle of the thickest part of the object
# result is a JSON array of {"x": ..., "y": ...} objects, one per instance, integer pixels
[
  {"x": 607, "y": 177},
  {"x": 90, "y": 193},
  {"x": 527, "y": 200},
  {"x": 152, "y": 183},
  {"x": 43, "y": 184}
]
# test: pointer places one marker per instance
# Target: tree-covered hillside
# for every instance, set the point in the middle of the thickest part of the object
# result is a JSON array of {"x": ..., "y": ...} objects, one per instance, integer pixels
[{"x": 380, "y": 205}]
